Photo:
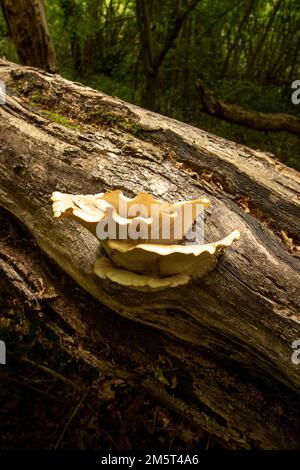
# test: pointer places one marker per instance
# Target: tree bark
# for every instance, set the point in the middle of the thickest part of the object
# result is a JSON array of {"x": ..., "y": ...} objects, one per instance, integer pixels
[
  {"x": 152, "y": 56},
  {"x": 28, "y": 28},
  {"x": 261, "y": 41},
  {"x": 242, "y": 318},
  {"x": 246, "y": 117}
]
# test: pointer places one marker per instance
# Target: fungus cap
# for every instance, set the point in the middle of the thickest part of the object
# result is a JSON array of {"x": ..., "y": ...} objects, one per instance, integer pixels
[
  {"x": 165, "y": 260},
  {"x": 151, "y": 264},
  {"x": 142, "y": 212}
]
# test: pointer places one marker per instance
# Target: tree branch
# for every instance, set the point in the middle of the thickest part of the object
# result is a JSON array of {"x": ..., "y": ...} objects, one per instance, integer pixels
[{"x": 247, "y": 117}]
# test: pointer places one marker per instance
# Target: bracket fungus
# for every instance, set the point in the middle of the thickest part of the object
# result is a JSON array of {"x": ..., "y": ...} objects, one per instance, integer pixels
[{"x": 143, "y": 238}]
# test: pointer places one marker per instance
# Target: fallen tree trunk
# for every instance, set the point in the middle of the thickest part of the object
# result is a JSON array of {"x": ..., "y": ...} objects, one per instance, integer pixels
[
  {"x": 246, "y": 117},
  {"x": 61, "y": 136}
]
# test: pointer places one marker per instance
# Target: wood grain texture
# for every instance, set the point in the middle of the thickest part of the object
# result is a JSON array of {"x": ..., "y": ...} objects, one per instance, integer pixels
[
  {"x": 214, "y": 402},
  {"x": 247, "y": 310}
]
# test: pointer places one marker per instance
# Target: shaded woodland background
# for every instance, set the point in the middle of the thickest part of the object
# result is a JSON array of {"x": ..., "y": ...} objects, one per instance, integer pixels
[{"x": 152, "y": 54}]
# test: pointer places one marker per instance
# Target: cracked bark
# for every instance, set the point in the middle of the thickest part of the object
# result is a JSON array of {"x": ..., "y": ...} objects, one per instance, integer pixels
[{"x": 244, "y": 315}]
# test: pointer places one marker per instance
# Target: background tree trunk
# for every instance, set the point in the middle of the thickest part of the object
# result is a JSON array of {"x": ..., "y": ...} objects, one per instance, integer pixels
[
  {"x": 226, "y": 339},
  {"x": 28, "y": 28},
  {"x": 153, "y": 54}
]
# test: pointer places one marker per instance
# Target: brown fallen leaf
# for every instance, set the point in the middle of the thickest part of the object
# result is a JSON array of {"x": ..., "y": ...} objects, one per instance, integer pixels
[{"x": 243, "y": 203}]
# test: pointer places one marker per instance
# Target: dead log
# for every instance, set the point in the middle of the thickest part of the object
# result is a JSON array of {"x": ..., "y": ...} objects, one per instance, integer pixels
[
  {"x": 56, "y": 135},
  {"x": 246, "y": 117}
]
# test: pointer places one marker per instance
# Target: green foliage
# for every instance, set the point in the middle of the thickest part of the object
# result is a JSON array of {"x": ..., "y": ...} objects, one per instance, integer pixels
[
  {"x": 110, "y": 85},
  {"x": 58, "y": 118},
  {"x": 7, "y": 48},
  {"x": 36, "y": 98},
  {"x": 109, "y": 118},
  {"x": 248, "y": 52}
]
